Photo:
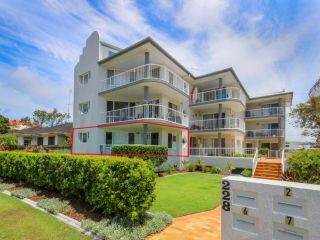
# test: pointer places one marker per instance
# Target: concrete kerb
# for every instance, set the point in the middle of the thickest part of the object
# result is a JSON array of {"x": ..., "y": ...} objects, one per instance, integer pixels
[{"x": 61, "y": 217}]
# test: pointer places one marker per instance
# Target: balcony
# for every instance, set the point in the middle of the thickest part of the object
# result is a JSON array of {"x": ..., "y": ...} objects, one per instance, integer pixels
[
  {"x": 222, "y": 94},
  {"x": 152, "y": 72},
  {"x": 146, "y": 112},
  {"x": 265, "y": 112},
  {"x": 223, "y": 152},
  {"x": 265, "y": 133},
  {"x": 218, "y": 124}
]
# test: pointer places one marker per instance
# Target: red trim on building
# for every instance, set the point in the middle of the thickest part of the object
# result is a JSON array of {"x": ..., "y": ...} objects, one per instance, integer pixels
[{"x": 125, "y": 123}]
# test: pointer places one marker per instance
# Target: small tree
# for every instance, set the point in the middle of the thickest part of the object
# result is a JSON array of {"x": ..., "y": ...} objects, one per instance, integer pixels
[
  {"x": 55, "y": 117},
  {"x": 26, "y": 120},
  {"x": 40, "y": 117},
  {"x": 4, "y": 124},
  {"x": 307, "y": 116}
]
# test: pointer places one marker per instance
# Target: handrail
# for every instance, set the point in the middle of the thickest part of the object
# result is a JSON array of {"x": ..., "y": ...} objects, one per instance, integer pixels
[
  {"x": 264, "y": 112},
  {"x": 265, "y": 133},
  {"x": 144, "y": 72},
  {"x": 222, "y": 152},
  {"x": 255, "y": 161},
  {"x": 218, "y": 94},
  {"x": 145, "y": 111},
  {"x": 283, "y": 161},
  {"x": 218, "y": 123}
]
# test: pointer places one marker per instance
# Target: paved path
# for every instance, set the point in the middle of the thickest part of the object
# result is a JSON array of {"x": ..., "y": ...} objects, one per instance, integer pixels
[{"x": 199, "y": 226}]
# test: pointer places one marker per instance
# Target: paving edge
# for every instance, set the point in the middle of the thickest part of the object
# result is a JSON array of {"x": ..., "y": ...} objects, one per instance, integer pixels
[{"x": 61, "y": 217}]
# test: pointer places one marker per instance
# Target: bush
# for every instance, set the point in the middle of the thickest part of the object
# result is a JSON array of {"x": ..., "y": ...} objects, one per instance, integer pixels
[
  {"x": 191, "y": 168},
  {"x": 169, "y": 169},
  {"x": 215, "y": 170},
  {"x": 199, "y": 165},
  {"x": 304, "y": 166},
  {"x": 230, "y": 167},
  {"x": 116, "y": 186},
  {"x": 53, "y": 205},
  {"x": 23, "y": 193},
  {"x": 263, "y": 151},
  {"x": 140, "y": 150},
  {"x": 8, "y": 141},
  {"x": 206, "y": 169},
  {"x": 246, "y": 172},
  {"x": 123, "y": 229}
]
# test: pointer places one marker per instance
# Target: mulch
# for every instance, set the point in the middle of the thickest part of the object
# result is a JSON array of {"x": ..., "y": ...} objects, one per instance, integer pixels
[{"x": 78, "y": 209}]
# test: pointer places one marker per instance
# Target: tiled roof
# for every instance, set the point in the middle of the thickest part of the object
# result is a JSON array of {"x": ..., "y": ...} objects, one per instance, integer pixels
[{"x": 65, "y": 128}]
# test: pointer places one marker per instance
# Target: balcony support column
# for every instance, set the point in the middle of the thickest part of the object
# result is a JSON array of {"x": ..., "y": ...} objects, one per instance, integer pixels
[
  {"x": 145, "y": 109},
  {"x": 220, "y": 82}
]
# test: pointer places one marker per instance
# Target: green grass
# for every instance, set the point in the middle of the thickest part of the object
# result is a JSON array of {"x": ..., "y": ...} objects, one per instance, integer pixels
[
  {"x": 20, "y": 221},
  {"x": 188, "y": 193}
]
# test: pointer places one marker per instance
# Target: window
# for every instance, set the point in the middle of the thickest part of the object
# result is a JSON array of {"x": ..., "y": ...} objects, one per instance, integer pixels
[
  {"x": 40, "y": 141},
  {"x": 110, "y": 73},
  {"x": 172, "y": 106},
  {"x": 84, "y": 107},
  {"x": 110, "y": 53},
  {"x": 84, "y": 78},
  {"x": 83, "y": 136},
  {"x": 51, "y": 140},
  {"x": 131, "y": 138},
  {"x": 170, "y": 140},
  {"x": 27, "y": 141},
  {"x": 108, "y": 138},
  {"x": 171, "y": 78}
]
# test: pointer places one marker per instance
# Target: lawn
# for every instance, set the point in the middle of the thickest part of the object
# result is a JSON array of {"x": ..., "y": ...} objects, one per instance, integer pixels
[
  {"x": 20, "y": 221},
  {"x": 183, "y": 194}
]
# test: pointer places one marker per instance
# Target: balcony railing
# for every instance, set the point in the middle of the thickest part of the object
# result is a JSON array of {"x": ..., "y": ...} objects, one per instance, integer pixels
[
  {"x": 223, "y": 152},
  {"x": 146, "y": 111},
  {"x": 264, "y": 133},
  {"x": 265, "y": 112},
  {"x": 229, "y": 93},
  {"x": 216, "y": 124},
  {"x": 146, "y": 72}
]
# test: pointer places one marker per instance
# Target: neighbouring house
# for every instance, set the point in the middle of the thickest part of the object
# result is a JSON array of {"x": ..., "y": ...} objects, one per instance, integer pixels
[
  {"x": 18, "y": 125},
  {"x": 315, "y": 90},
  {"x": 142, "y": 95},
  {"x": 44, "y": 136}
]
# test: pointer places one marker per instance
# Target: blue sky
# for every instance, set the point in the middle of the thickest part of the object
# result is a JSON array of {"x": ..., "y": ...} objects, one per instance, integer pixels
[{"x": 272, "y": 45}]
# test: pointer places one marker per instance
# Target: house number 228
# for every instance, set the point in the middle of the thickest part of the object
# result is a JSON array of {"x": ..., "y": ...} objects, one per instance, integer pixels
[{"x": 226, "y": 195}]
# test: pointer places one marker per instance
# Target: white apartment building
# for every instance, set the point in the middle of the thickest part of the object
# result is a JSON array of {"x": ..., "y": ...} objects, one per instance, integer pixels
[{"x": 142, "y": 95}]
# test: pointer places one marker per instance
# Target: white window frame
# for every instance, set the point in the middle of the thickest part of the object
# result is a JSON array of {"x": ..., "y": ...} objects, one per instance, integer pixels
[
  {"x": 83, "y": 137},
  {"x": 82, "y": 109},
  {"x": 82, "y": 78}
]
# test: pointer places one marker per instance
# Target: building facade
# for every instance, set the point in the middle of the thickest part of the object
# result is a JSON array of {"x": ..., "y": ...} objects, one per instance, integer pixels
[{"x": 142, "y": 95}]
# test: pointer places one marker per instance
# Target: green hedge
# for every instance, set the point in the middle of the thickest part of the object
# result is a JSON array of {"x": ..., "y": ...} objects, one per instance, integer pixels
[
  {"x": 141, "y": 150},
  {"x": 304, "y": 166},
  {"x": 117, "y": 186}
]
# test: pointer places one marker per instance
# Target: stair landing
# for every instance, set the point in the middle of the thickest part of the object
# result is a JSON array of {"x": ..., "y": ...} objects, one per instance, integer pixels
[{"x": 269, "y": 169}]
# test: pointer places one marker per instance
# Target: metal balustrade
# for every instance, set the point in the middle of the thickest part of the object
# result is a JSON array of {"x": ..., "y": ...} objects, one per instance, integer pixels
[
  {"x": 146, "y": 72},
  {"x": 228, "y": 93},
  {"x": 146, "y": 111},
  {"x": 265, "y": 112},
  {"x": 264, "y": 133},
  {"x": 223, "y": 152},
  {"x": 219, "y": 123}
]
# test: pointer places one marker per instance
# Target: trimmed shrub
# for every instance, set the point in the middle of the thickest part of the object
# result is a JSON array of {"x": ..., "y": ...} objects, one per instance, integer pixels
[
  {"x": 117, "y": 186},
  {"x": 53, "y": 205},
  {"x": 199, "y": 165},
  {"x": 206, "y": 169},
  {"x": 215, "y": 170},
  {"x": 23, "y": 193},
  {"x": 156, "y": 154},
  {"x": 304, "y": 166},
  {"x": 246, "y": 172},
  {"x": 191, "y": 168},
  {"x": 123, "y": 229}
]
